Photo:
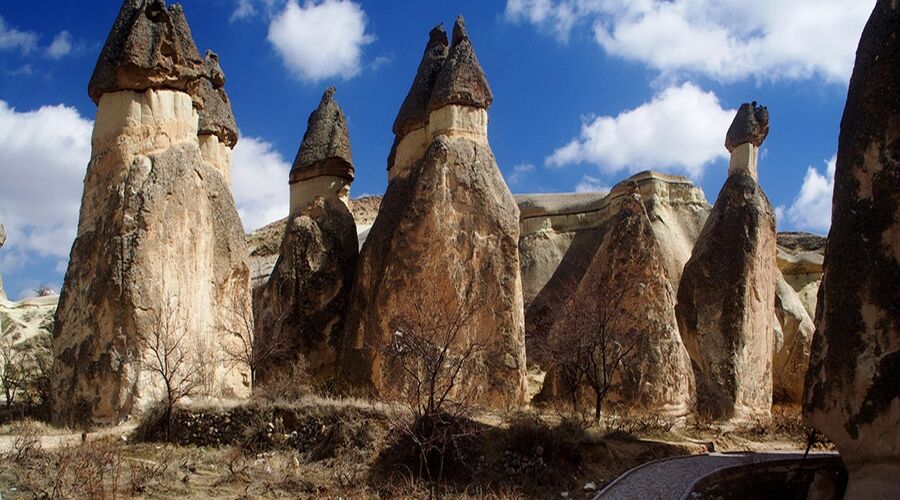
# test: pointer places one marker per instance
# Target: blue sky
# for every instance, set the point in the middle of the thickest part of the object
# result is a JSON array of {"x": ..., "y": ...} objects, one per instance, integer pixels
[{"x": 586, "y": 93}]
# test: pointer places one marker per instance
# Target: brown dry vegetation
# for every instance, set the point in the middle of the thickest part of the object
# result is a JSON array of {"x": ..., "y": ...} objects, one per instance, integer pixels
[{"x": 320, "y": 447}]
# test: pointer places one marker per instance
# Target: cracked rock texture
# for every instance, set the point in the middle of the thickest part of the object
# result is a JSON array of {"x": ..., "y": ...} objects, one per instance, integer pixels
[
  {"x": 656, "y": 377},
  {"x": 446, "y": 237},
  {"x": 853, "y": 385},
  {"x": 160, "y": 246}
]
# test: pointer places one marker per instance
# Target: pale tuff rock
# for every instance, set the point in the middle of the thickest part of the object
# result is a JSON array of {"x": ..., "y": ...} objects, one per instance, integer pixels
[
  {"x": 446, "y": 235},
  {"x": 217, "y": 128},
  {"x": 852, "y": 390},
  {"x": 158, "y": 236},
  {"x": 26, "y": 326},
  {"x": 324, "y": 162},
  {"x": 793, "y": 336},
  {"x": 299, "y": 312},
  {"x": 800, "y": 258},
  {"x": 726, "y": 302},
  {"x": 656, "y": 376},
  {"x": 560, "y": 236}
]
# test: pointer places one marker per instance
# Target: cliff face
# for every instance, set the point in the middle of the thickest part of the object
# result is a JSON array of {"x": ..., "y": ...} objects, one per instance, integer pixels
[{"x": 159, "y": 250}]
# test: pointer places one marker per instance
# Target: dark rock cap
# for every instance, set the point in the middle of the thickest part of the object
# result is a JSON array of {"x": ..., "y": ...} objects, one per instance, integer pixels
[
  {"x": 461, "y": 80},
  {"x": 414, "y": 111},
  {"x": 149, "y": 46},
  {"x": 325, "y": 149},
  {"x": 216, "y": 117},
  {"x": 750, "y": 125}
]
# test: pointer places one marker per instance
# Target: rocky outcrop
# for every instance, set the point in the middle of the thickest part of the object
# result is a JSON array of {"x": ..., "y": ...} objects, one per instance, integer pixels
[
  {"x": 561, "y": 235},
  {"x": 800, "y": 258},
  {"x": 852, "y": 389},
  {"x": 217, "y": 128},
  {"x": 793, "y": 335},
  {"x": 159, "y": 249},
  {"x": 300, "y": 310},
  {"x": 726, "y": 298},
  {"x": 626, "y": 293},
  {"x": 444, "y": 245}
]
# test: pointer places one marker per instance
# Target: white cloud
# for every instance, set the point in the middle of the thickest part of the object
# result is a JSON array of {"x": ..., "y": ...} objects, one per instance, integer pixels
[
  {"x": 727, "y": 40},
  {"x": 61, "y": 45},
  {"x": 11, "y": 38},
  {"x": 811, "y": 209},
  {"x": 321, "y": 40},
  {"x": 682, "y": 128},
  {"x": 243, "y": 10},
  {"x": 260, "y": 183},
  {"x": 589, "y": 184},
  {"x": 43, "y": 158},
  {"x": 519, "y": 172}
]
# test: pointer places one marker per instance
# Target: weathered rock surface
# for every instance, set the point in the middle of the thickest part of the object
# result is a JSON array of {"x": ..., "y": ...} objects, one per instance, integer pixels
[
  {"x": 159, "y": 244},
  {"x": 793, "y": 335},
  {"x": 853, "y": 385},
  {"x": 149, "y": 47},
  {"x": 800, "y": 258},
  {"x": 446, "y": 235},
  {"x": 560, "y": 236},
  {"x": 413, "y": 112},
  {"x": 300, "y": 311},
  {"x": 461, "y": 80},
  {"x": 750, "y": 125},
  {"x": 726, "y": 299},
  {"x": 216, "y": 117},
  {"x": 629, "y": 269}
]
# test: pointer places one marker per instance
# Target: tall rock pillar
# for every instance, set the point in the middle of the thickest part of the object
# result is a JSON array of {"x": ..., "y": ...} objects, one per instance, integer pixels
[
  {"x": 299, "y": 311},
  {"x": 853, "y": 383},
  {"x": 726, "y": 298},
  {"x": 160, "y": 248},
  {"x": 444, "y": 248}
]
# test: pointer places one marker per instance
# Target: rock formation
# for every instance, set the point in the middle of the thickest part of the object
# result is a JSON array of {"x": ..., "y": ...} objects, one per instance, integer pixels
[
  {"x": 160, "y": 247},
  {"x": 853, "y": 385},
  {"x": 726, "y": 298},
  {"x": 445, "y": 243},
  {"x": 627, "y": 287},
  {"x": 800, "y": 257},
  {"x": 793, "y": 336},
  {"x": 299, "y": 311},
  {"x": 561, "y": 234}
]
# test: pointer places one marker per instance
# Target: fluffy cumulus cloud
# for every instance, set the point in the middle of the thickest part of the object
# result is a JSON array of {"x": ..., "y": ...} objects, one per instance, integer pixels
[
  {"x": 680, "y": 129},
  {"x": 519, "y": 172},
  {"x": 723, "y": 39},
  {"x": 61, "y": 45},
  {"x": 14, "y": 39},
  {"x": 590, "y": 184},
  {"x": 43, "y": 157},
  {"x": 259, "y": 178},
  {"x": 321, "y": 40},
  {"x": 811, "y": 209}
]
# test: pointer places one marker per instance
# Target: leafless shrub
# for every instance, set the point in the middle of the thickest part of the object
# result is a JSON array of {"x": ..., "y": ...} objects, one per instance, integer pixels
[
  {"x": 287, "y": 385},
  {"x": 169, "y": 355},
  {"x": 588, "y": 348},
  {"x": 241, "y": 347},
  {"x": 426, "y": 359},
  {"x": 26, "y": 441}
]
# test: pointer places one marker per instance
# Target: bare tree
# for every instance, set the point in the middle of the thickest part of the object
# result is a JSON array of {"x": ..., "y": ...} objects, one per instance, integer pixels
[
  {"x": 14, "y": 375},
  {"x": 594, "y": 338},
  {"x": 241, "y": 347},
  {"x": 168, "y": 353},
  {"x": 426, "y": 360}
]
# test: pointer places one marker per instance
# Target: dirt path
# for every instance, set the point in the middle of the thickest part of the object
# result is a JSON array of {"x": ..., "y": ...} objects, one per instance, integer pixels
[
  {"x": 672, "y": 478},
  {"x": 55, "y": 441}
]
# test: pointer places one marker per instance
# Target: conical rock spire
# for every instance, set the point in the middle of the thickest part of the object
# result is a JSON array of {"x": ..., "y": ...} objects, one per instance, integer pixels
[
  {"x": 461, "y": 80},
  {"x": 325, "y": 149},
  {"x": 150, "y": 46},
  {"x": 414, "y": 111}
]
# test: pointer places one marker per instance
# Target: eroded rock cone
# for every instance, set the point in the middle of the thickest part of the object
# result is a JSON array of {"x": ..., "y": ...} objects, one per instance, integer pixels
[
  {"x": 443, "y": 251},
  {"x": 623, "y": 309},
  {"x": 160, "y": 253},
  {"x": 852, "y": 389},
  {"x": 300, "y": 310},
  {"x": 793, "y": 337},
  {"x": 726, "y": 299}
]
